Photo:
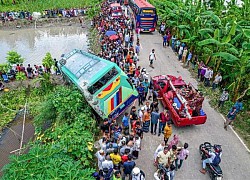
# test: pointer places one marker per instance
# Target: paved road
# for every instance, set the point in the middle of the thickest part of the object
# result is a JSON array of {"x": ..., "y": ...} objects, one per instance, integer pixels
[{"x": 235, "y": 159}]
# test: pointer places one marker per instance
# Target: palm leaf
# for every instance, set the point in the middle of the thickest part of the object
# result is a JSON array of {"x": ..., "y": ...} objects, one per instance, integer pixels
[
  {"x": 226, "y": 56},
  {"x": 214, "y": 17},
  {"x": 208, "y": 42},
  {"x": 246, "y": 33},
  {"x": 246, "y": 45},
  {"x": 205, "y": 31}
]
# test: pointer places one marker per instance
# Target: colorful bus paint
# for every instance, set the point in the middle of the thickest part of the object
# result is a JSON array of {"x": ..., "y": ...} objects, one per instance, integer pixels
[
  {"x": 104, "y": 85},
  {"x": 145, "y": 15}
]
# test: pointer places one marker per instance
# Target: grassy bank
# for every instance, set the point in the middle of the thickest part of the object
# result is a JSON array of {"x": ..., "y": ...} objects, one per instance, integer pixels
[{"x": 65, "y": 132}]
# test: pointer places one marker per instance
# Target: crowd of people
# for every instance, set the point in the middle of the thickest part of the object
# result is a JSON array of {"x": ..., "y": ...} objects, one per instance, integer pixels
[
  {"x": 29, "y": 71},
  {"x": 50, "y": 13}
]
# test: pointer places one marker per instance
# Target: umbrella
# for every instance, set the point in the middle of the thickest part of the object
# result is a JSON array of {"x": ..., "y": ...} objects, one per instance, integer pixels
[
  {"x": 113, "y": 37},
  {"x": 110, "y": 33}
]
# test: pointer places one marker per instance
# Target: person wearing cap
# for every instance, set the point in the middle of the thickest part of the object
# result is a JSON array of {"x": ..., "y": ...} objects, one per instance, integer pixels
[
  {"x": 137, "y": 174},
  {"x": 167, "y": 132},
  {"x": 101, "y": 157}
]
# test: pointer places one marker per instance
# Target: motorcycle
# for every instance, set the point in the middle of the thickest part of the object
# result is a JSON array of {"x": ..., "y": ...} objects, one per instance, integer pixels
[
  {"x": 214, "y": 171},
  {"x": 162, "y": 173}
]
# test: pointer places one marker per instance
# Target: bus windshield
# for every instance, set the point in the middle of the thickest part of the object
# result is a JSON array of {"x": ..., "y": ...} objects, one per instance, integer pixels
[
  {"x": 148, "y": 11},
  {"x": 103, "y": 81}
]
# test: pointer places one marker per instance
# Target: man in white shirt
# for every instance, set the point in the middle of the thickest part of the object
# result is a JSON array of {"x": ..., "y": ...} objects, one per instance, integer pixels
[
  {"x": 217, "y": 80},
  {"x": 208, "y": 75},
  {"x": 152, "y": 58},
  {"x": 107, "y": 163}
]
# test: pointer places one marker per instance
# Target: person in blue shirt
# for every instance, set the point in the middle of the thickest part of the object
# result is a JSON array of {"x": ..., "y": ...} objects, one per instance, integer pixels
[
  {"x": 125, "y": 122},
  {"x": 190, "y": 55},
  {"x": 238, "y": 105},
  {"x": 141, "y": 91},
  {"x": 164, "y": 40},
  {"x": 146, "y": 86},
  {"x": 128, "y": 166}
]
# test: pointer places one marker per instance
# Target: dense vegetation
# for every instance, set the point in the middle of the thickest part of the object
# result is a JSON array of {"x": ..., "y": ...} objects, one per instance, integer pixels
[
  {"x": 220, "y": 35},
  {"x": 62, "y": 150}
]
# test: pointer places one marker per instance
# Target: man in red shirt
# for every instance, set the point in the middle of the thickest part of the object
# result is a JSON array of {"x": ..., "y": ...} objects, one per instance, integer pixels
[{"x": 164, "y": 117}]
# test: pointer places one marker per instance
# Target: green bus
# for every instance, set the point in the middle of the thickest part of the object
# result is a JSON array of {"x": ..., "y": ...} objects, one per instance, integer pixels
[{"x": 104, "y": 85}]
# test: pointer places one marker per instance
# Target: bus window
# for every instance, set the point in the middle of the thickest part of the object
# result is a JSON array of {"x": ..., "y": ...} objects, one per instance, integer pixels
[
  {"x": 101, "y": 82},
  {"x": 130, "y": 83}
]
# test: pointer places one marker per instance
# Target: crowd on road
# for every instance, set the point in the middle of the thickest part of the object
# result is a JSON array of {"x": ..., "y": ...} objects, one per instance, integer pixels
[{"x": 120, "y": 145}]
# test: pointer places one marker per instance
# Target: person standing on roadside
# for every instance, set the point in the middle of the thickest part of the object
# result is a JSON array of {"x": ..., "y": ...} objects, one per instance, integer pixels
[
  {"x": 167, "y": 132},
  {"x": 164, "y": 40},
  {"x": 230, "y": 117},
  {"x": 182, "y": 155},
  {"x": 125, "y": 123},
  {"x": 128, "y": 166},
  {"x": 155, "y": 116},
  {"x": 152, "y": 58},
  {"x": 223, "y": 97},
  {"x": 217, "y": 80},
  {"x": 141, "y": 91},
  {"x": 164, "y": 117}
]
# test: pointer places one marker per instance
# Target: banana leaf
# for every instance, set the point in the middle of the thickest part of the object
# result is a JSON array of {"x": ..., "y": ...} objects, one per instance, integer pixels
[{"x": 226, "y": 56}]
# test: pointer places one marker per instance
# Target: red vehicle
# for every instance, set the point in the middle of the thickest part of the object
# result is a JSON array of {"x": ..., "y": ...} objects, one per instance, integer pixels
[
  {"x": 116, "y": 10},
  {"x": 183, "y": 101}
]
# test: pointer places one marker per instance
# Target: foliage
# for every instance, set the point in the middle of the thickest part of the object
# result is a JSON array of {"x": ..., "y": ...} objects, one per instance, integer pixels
[
  {"x": 62, "y": 150},
  {"x": 48, "y": 61},
  {"x": 14, "y": 58},
  {"x": 4, "y": 67},
  {"x": 20, "y": 76},
  {"x": 44, "y": 81},
  {"x": 218, "y": 33}
]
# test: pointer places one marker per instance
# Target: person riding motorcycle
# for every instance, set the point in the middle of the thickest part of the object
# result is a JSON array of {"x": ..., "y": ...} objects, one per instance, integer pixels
[{"x": 212, "y": 157}]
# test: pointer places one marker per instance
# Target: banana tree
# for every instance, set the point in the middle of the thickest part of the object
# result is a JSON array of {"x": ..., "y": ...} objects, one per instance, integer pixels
[{"x": 239, "y": 73}]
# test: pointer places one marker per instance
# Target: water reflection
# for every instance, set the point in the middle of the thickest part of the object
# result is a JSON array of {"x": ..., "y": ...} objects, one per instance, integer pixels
[{"x": 33, "y": 44}]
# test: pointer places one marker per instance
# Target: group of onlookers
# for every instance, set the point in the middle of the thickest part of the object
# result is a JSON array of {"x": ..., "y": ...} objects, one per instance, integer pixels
[{"x": 50, "y": 13}]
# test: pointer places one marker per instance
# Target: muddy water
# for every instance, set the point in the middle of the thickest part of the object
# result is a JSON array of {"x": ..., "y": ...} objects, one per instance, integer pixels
[
  {"x": 33, "y": 44},
  {"x": 11, "y": 138}
]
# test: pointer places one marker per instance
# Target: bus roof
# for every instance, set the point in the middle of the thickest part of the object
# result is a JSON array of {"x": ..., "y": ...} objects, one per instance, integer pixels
[
  {"x": 85, "y": 66},
  {"x": 143, "y": 4},
  {"x": 114, "y": 5}
]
